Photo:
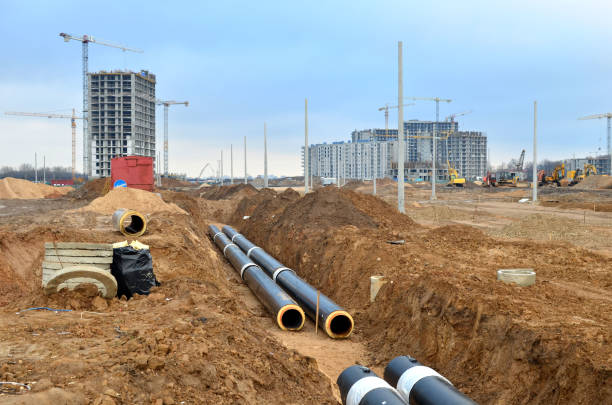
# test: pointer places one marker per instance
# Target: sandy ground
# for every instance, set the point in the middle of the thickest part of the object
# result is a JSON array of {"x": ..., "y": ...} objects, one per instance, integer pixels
[{"x": 202, "y": 337}]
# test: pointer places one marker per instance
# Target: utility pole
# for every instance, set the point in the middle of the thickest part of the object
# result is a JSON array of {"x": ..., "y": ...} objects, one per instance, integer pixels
[
  {"x": 231, "y": 164},
  {"x": 221, "y": 167},
  {"x": 374, "y": 167},
  {"x": 35, "y": 168},
  {"x": 535, "y": 156},
  {"x": 400, "y": 130},
  {"x": 266, "y": 157},
  {"x": 245, "y": 162},
  {"x": 305, "y": 146},
  {"x": 167, "y": 104},
  {"x": 44, "y": 169}
]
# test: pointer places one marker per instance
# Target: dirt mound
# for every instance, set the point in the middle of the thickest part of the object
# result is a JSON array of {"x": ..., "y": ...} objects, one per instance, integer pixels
[
  {"x": 266, "y": 205},
  {"x": 131, "y": 198},
  {"x": 90, "y": 190},
  {"x": 595, "y": 182},
  {"x": 168, "y": 182},
  {"x": 11, "y": 188},
  {"x": 227, "y": 192},
  {"x": 443, "y": 304},
  {"x": 331, "y": 207}
]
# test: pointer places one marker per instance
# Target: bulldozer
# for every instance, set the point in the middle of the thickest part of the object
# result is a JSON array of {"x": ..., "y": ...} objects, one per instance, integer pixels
[{"x": 454, "y": 179}]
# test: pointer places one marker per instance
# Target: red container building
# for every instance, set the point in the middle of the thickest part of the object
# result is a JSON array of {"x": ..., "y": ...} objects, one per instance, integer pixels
[{"x": 136, "y": 171}]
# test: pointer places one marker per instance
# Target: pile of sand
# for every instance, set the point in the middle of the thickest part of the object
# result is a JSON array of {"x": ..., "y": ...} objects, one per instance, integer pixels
[
  {"x": 11, "y": 188},
  {"x": 234, "y": 191},
  {"x": 131, "y": 198},
  {"x": 595, "y": 182}
]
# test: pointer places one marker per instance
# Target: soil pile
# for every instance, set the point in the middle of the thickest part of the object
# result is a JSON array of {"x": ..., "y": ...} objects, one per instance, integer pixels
[
  {"x": 131, "y": 198},
  {"x": 11, "y": 188},
  {"x": 247, "y": 205},
  {"x": 168, "y": 182},
  {"x": 331, "y": 207},
  {"x": 227, "y": 192},
  {"x": 442, "y": 303},
  {"x": 90, "y": 190},
  {"x": 595, "y": 182}
]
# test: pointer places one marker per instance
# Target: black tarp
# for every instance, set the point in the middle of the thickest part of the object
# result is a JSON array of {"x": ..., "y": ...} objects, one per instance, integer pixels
[{"x": 133, "y": 269}]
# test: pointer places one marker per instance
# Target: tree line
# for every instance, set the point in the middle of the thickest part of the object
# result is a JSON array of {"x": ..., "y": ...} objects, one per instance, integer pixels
[{"x": 27, "y": 171}]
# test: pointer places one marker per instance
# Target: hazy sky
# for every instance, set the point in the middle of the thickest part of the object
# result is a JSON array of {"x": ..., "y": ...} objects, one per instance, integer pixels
[{"x": 240, "y": 63}]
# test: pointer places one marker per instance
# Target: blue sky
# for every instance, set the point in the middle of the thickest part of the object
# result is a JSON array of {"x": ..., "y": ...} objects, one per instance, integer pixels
[{"x": 240, "y": 63}]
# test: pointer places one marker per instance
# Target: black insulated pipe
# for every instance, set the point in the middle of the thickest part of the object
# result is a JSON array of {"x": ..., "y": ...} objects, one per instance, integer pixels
[
  {"x": 421, "y": 385},
  {"x": 333, "y": 319},
  {"x": 361, "y": 386},
  {"x": 288, "y": 315}
]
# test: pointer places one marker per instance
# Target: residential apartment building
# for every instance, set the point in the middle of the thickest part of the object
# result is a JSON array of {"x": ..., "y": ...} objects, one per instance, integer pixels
[{"x": 121, "y": 117}]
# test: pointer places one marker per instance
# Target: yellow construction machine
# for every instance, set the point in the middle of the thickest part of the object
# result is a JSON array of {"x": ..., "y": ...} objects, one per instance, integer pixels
[
  {"x": 576, "y": 176},
  {"x": 557, "y": 175},
  {"x": 454, "y": 179}
]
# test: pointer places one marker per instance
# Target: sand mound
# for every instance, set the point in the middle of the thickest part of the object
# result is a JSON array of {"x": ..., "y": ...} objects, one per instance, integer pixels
[
  {"x": 226, "y": 192},
  {"x": 11, "y": 188},
  {"x": 90, "y": 190},
  {"x": 131, "y": 198},
  {"x": 595, "y": 182}
]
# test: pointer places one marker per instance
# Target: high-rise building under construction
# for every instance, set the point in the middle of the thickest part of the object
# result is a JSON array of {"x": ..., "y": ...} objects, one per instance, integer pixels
[{"x": 121, "y": 117}]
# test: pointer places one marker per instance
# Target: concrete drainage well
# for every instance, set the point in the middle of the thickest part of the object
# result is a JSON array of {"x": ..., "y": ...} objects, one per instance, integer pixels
[{"x": 521, "y": 277}]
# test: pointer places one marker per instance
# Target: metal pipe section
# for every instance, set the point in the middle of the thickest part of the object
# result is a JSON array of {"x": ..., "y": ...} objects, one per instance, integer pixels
[
  {"x": 361, "y": 386},
  {"x": 288, "y": 315},
  {"x": 333, "y": 319},
  {"x": 421, "y": 385},
  {"x": 130, "y": 223}
]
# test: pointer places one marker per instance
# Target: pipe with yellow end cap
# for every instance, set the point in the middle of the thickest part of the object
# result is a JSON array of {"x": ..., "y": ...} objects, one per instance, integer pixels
[
  {"x": 129, "y": 222},
  {"x": 287, "y": 314}
]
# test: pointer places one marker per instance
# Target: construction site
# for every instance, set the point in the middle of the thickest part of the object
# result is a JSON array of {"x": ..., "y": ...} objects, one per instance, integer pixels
[
  {"x": 452, "y": 259},
  {"x": 202, "y": 336}
]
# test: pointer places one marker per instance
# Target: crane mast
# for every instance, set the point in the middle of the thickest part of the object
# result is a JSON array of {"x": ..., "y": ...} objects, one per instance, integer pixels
[
  {"x": 386, "y": 110},
  {"x": 85, "y": 40},
  {"x": 167, "y": 104},
  {"x": 608, "y": 117}
]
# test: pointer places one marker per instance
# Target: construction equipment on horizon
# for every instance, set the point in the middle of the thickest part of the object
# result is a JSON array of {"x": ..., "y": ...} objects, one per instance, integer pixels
[
  {"x": 72, "y": 119},
  {"x": 608, "y": 117},
  {"x": 85, "y": 40},
  {"x": 386, "y": 110},
  {"x": 454, "y": 179}
]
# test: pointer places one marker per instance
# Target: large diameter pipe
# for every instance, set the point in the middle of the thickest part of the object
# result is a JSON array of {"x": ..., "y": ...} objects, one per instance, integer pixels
[
  {"x": 130, "y": 223},
  {"x": 333, "y": 319},
  {"x": 421, "y": 385},
  {"x": 361, "y": 386},
  {"x": 288, "y": 315}
]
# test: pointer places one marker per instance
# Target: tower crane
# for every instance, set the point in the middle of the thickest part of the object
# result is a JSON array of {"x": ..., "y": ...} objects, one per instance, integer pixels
[
  {"x": 386, "y": 110},
  {"x": 451, "y": 118},
  {"x": 85, "y": 40},
  {"x": 167, "y": 104},
  {"x": 519, "y": 165},
  {"x": 434, "y": 155},
  {"x": 608, "y": 116},
  {"x": 72, "y": 119}
]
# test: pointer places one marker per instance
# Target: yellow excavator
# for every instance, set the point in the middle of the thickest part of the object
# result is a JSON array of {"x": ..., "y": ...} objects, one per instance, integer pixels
[
  {"x": 453, "y": 175},
  {"x": 576, "y": 176},
  {"x": 556, "y": 176}
]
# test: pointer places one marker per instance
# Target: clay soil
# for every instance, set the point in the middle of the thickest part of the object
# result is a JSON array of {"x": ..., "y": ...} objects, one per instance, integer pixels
[{"x": 202, "y": 337}]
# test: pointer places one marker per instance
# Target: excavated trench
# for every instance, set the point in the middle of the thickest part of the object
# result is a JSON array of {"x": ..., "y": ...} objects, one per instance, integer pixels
[{"x": 497, "y": 343}]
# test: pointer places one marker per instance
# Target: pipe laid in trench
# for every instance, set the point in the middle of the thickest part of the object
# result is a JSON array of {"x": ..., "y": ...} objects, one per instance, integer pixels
[
  {"x": 288, "y": 315},
  {"x": 361, "y": 386},
  {"x": 421, "y": 385},
  {"x": 333, "y": 319}
]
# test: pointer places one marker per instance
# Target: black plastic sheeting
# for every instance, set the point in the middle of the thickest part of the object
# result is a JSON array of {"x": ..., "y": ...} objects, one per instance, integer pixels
[
  {"x": 425, "y": 387},
  {"x": 133, "y": 269}
]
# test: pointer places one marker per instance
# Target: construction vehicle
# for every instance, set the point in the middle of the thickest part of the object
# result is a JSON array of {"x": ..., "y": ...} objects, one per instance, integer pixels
[
  {"x": 454, "y": 179},
  {"x": 489, "y": 180},
  {"x": 576, "y": 176},
  {"x": 557, "y": 175},
  {"x": 511, "y": 177}
]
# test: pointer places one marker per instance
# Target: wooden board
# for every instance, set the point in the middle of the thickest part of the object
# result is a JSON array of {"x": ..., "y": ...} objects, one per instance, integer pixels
[{"x": 78, "y": 245}]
